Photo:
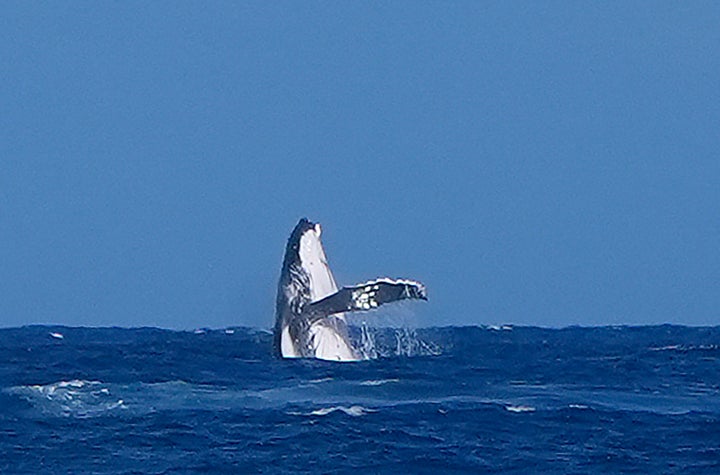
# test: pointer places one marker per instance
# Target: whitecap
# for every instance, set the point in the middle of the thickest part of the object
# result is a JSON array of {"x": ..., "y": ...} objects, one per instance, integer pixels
[
  {"x": 665, "y": 348},
  {"x": 497, "y": 328},
  {"x": 77, "y": 397},
  {"x": 354, "y": 411},
  {"x": 378, "y": 382},
  {"x": 520, "y": 408}
]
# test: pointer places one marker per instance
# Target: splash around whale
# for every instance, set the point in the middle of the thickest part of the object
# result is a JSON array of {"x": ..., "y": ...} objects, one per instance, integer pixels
[{"x": 310, "y": 309}]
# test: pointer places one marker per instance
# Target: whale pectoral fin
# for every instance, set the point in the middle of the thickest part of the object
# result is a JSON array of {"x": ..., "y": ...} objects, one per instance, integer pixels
[
  {"x": 367, "y": 296},
  {"x": 340, "y": 301}
]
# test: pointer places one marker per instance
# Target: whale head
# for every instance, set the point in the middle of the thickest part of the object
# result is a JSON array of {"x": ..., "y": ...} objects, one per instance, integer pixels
[{"x": 305, "y": 278}]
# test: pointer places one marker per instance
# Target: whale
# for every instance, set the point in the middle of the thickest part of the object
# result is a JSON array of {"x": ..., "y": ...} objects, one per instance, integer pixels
[{"x": 310, "y": 308}]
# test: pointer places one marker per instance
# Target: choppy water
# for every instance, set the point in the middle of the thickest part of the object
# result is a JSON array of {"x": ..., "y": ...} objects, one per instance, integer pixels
[{"x": 448, "y": 400}]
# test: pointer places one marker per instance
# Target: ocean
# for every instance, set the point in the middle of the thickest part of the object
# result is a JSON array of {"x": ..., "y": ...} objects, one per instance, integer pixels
[{"x": 437, "y": 400}]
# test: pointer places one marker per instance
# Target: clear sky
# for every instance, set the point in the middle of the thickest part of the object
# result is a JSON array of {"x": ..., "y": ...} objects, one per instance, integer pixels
[{"x": 535, "y": 163}]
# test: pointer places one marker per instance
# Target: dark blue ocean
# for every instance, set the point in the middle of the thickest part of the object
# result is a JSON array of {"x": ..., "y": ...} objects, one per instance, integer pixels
[{"x": 443, "y": 400}]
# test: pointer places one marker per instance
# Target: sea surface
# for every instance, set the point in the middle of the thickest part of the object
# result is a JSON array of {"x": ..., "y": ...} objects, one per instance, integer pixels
[{"x": 440, "y": 400}]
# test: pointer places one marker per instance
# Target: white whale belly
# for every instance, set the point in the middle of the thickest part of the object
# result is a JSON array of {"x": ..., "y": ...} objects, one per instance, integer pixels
[{"x": 327, "y": 344}]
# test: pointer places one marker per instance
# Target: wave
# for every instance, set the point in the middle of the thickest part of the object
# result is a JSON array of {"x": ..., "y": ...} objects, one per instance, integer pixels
[
  {"x": 354, "y": 411},
  {"x": 79, "y": 398},
  {"x": 378, "y": 382},
  {"x": 91, "y": 372},
  {"x": 91, "y": 398},
  {"x": 519, "y": 409},
  {"x": 686, "y": 348}
]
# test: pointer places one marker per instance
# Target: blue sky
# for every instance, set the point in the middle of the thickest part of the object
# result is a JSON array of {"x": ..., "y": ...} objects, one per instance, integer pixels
[{"x": 534, "y": 163}]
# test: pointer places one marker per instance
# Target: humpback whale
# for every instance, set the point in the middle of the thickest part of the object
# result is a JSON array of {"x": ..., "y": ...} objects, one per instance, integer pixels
[{"x": 310, "y": 309}]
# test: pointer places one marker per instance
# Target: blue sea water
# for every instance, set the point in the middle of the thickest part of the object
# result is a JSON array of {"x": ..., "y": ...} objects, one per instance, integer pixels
[{"x": 442, "y": 400}]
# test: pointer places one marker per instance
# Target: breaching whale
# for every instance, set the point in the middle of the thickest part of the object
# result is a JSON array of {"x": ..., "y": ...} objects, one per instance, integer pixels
[{"x": 309, "y": 318}]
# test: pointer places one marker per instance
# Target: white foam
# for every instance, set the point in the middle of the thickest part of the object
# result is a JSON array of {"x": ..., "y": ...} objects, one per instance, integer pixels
[
  {"x": 665, "y": 348},
  {"x": 354, "y": 411},
  {"x": 50, "y": 389},
  {"x": 79, "y": 398},
  {"x": 518, "y": 409},
  {"x": 378, "y": 382}
]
